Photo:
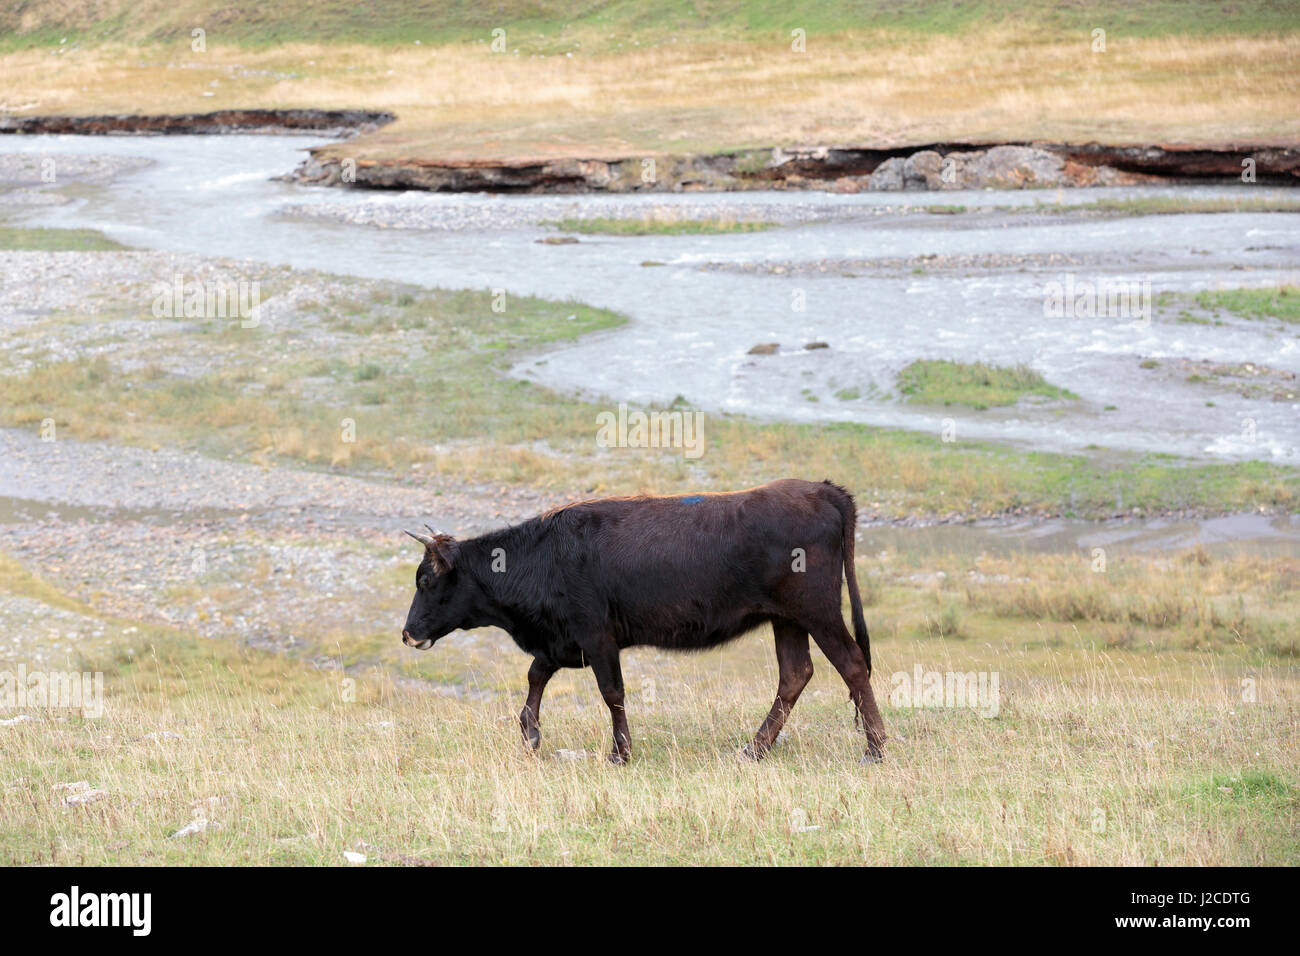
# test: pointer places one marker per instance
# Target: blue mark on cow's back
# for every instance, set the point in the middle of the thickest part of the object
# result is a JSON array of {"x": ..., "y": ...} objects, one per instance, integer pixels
[{"x": 692, "y": 499}]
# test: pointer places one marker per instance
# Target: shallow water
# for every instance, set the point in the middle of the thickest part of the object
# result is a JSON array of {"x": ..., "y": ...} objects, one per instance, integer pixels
[{"x": 691, "y": 329}]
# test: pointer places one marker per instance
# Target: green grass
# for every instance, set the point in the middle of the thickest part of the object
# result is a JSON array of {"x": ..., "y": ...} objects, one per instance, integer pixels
[
  {"x": 1282, "y": 302},
  {"x": 977, "y": 385},
  {"x": 1250, "y": 785},
  {"x": 658, "y": 225},
  {"x": 546, "y": 24},
  {"x": 56, "y": 240}
]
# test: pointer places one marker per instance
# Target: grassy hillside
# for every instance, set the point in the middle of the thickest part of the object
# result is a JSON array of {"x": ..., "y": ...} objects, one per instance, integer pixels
[
  {"x": 636, "y": 79},
  {"x": 537, "y": 21}
]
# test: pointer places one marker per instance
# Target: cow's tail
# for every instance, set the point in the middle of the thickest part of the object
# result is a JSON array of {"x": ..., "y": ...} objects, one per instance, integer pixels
[{"x": 849, "y": 512}]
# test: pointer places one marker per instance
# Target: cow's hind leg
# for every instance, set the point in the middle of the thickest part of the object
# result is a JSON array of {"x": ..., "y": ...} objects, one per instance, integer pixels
[
  {"x": 538, "y": 676},
  {"x": 795, "y": 671},
  {"x": 843, "y": 652},
  {"x": 609, "y": 677}
]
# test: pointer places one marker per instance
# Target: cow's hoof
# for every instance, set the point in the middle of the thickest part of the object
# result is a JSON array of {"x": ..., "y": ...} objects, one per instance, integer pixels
[
  {"x": 618, "y": 759},
  {"x": 531, "y": 744},
  {"x": 753, "y": 754},
  {"x": 874, "y": 755}
]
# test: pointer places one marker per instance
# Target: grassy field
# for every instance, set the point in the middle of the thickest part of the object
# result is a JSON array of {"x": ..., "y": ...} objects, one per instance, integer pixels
[
  {"x": 627, "y": 80},
  {"x": 1136, "y": 736}
]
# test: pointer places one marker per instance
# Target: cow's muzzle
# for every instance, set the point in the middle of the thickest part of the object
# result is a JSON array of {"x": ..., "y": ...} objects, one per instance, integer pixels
[{"x": 409, "y": 641}]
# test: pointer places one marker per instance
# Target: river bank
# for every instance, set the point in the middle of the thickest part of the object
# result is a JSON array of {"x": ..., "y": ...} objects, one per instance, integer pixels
[
  {"x": 320, "y": 122},
  {"x": 949, "y": 166},
  {"x": 934, "y": 167}
]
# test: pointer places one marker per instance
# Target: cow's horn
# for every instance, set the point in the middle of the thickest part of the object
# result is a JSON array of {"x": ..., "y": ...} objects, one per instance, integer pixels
[
  {"x": 435, "y": 531},
  {"x": 424, "y": 539}
]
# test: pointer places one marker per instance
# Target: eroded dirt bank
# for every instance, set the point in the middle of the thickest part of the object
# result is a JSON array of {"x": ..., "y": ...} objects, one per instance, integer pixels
[
  {"x": 327, "y": 122},
  {"x": 933, "y": 166}
]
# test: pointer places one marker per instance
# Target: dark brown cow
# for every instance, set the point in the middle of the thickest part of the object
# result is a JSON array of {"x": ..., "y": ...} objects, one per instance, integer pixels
[{"x": 576, "y": 585}]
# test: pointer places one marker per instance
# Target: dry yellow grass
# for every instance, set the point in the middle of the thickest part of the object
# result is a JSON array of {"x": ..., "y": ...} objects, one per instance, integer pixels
[
  {"x": 1165, "y": 734},
  {"x": 462, "y": 101},
  {"x": 1096, "y": 756}
]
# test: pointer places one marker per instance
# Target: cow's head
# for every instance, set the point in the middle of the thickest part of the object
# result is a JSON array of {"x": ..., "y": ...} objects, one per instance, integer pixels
[{"x": 441, "y": 601}]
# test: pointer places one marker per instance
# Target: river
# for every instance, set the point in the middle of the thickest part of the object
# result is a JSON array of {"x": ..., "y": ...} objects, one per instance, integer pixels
[{"x": 691, "y": 328}]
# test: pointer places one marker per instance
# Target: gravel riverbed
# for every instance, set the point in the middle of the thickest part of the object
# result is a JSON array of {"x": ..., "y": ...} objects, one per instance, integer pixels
[{"x": 481, "y": 212}]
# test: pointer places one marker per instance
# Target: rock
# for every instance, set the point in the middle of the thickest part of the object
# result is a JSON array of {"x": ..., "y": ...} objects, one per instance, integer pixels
[
  {"x": 557, "y": 241},
  {"x": 817, "y": 345},
  {"x": 765, "y": 348},
  {"x": 1079, "y": 174},
  {"x": 1000, "y": 167},
  {"x": 1012, "y": 167},
  {"x": 923, "y": 170},
  {"x": 888, "y": 175},
  {"x": 83, "y": 797},
  {"x": 571, "y": 754},
  {"x": 198, "y": 825}
]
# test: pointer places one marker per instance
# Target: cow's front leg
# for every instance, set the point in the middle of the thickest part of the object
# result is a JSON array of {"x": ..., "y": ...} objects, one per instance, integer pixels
[
  {"x": 538, "y": 676},
  {"x": 609, "y": 677}
]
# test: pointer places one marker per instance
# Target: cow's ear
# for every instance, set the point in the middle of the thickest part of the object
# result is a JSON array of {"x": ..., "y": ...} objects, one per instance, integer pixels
[{"x": 443, "y": 549}]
